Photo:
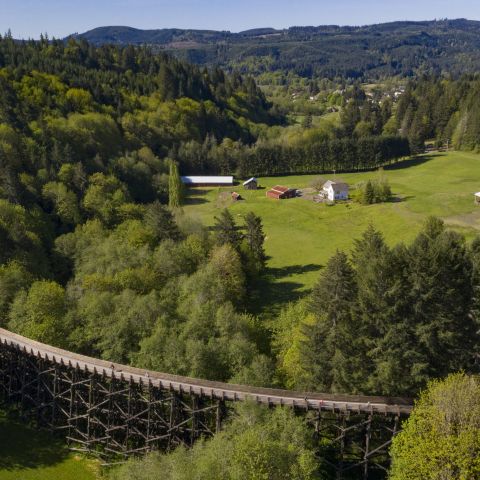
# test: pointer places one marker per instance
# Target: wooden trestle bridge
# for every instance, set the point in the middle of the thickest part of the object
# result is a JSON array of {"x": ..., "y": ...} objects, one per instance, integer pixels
[{"x": 115, "y": 411}]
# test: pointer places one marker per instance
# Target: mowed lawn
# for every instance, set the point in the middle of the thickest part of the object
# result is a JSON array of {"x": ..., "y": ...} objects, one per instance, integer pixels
[
  {"x": 302, "y": 235},
  {"x": 28, "y": 454}
]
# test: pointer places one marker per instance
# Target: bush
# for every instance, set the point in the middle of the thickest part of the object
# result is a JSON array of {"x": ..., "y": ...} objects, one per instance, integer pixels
[
  {"x": 375, "y": 191},
  {"x": 441, "y": 439}
]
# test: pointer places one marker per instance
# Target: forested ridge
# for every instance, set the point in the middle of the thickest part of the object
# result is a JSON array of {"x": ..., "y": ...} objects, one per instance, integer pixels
[{"x": 368, "y": 52}]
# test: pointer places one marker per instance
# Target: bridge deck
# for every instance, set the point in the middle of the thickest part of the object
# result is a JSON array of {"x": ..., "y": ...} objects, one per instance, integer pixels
[{"x": 214, "y": 390}]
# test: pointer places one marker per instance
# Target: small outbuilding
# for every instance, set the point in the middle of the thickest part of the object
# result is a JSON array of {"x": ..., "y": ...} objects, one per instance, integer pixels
[
  {"x": 236, "y": 196},
  {"x": 335, "y": 190},
  {"x": 251, "y": 184},
  {"x": 206, "y": 181},
  {"x": 280, "y": 193},
  {"x": 477, "y": 198}
]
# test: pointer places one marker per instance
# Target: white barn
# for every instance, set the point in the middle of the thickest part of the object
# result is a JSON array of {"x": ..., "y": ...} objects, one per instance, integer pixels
[
  {"x": 206, "y": 181},
  {"x": 335, "y": 190}
]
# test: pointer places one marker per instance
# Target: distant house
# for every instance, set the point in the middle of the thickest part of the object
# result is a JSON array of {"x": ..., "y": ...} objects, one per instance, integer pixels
[
  {"x": 194, "y": 181},
  {"x": 477, "y": 198},
  {"x": 251, "y": 184},
  {"x": 280, "y": 193},
  {"x": 335, "y": 190}
]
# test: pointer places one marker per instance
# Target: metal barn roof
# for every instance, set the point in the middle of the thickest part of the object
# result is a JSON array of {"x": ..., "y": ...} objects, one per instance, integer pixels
[
  {"x": 250, "y": 180},
  {"x": 337, "y": 186},
  {"x": 280, "y": 189},
  {"x": 193, "y": 180}
]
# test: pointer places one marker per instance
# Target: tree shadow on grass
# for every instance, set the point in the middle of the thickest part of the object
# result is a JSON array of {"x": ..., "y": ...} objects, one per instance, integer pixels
[
  {"x": 195, "y": 201},
  {"x": 196, "y": 196},
  {"x": 400, "y": 198},
  {"x": 412, "y": 162},
  {"x": 285, "y": 272},
  {"x": 21, "y": 446},
  {"x": 274, "y": 290}
]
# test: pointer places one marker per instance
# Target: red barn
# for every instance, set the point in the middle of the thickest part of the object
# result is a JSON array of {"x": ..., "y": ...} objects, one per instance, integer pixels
[{"x": 278, "y": 192}]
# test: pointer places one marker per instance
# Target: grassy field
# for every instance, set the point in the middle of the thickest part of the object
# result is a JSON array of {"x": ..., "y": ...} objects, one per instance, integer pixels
[
  {"x": 302, "y": 235},
  {"x": 28, "y": 454}
]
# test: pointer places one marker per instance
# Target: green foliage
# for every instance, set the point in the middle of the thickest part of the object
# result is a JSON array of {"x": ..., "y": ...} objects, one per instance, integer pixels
[
  {"x": 258, "y": 444},
  {"x": 13, "y": 278},
  {"x": 20, "y": 237},
  {"x": 446, "y": 111},
  {"x": 255, "y": 238},
  {"x": 368, "y": 193},
  {"x": 226, "y": 229},
  {"x": 65, "y": 202},
  {"x": 39, "y": 313},
  {"x": 329, "y": 354},
  {"x": 175, "y": 187},
  {"x": 104, "y": 198},
  {"x": 441, "y": 438},
  {"x": 375, "y": 191}
]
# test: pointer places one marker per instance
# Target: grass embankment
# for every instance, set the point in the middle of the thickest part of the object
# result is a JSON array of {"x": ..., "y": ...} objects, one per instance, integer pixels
[
  {"x": 28, "y": 454},
  {"x": 302, "y": 235}
]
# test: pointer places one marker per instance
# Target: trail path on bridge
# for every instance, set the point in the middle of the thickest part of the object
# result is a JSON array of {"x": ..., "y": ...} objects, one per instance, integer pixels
[{"x": 211, "y": 389}]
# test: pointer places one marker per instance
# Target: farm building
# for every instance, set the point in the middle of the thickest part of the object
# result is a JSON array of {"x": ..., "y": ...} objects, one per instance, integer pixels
[
  {"x": 251, "y": 184},
  {"x": 335, "y": 190},
  {"x": 477, "y": 198},
  {"x": 280, "y": 193},
  {"x": 207, "y": 181}
]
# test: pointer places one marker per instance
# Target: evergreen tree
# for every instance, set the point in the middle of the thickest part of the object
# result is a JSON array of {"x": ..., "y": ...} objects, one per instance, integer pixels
[
  {"x": 307, "y": 121},
  {"x": 175, "y": 186},
  {"x": 368, "y": 193},
  {"x": 255, "y": 239},
  {"x": 161, "y": 222},
  {"x": 329, "y": 353},
  {"x": 442, "y": 299},
  {"x": 374, "y": 278},
  {"x": 226, "y": 230}
]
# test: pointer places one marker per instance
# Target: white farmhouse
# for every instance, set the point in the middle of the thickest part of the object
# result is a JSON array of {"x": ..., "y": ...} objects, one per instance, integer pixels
[{"x": 335, "y": 190}]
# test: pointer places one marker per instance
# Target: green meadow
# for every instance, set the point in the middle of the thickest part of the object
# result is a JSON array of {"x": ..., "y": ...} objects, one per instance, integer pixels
[
  {"x": 301, "y": 235},
  {"x": 29, "y": 454}
]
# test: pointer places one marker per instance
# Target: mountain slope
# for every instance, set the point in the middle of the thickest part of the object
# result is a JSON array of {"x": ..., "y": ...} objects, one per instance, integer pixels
[{"x": 369, "y": 52}]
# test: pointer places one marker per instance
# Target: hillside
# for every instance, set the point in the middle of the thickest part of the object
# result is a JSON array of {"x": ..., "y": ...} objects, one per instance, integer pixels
[{"x": 369, "y": 52}]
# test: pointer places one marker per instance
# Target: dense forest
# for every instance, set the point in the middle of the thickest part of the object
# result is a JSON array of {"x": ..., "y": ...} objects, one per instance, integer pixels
[
  {"x": 360, "y": 52},
  {"x": 445, "y": 111},
  {"x": 92, "y": 141}
]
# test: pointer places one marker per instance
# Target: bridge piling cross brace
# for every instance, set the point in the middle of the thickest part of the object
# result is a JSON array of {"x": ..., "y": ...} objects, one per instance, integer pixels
[{"x": 116, "y": 411}]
